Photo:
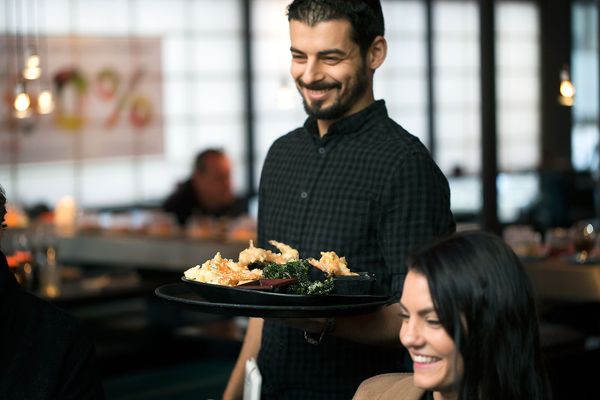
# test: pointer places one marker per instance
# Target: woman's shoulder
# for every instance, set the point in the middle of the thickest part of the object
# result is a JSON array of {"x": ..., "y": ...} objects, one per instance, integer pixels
[{"x": 397, "y": 386}]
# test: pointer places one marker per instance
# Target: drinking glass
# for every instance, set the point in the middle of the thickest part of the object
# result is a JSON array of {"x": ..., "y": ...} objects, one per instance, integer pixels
[{"x": 585, "y": 234}]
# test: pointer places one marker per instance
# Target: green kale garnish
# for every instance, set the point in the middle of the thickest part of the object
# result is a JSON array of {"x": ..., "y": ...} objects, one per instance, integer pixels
[{"x": 299, "y": 270}]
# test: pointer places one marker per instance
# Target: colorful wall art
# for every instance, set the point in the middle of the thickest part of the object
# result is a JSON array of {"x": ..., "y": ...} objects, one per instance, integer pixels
[{"x": 107, "y": 99}]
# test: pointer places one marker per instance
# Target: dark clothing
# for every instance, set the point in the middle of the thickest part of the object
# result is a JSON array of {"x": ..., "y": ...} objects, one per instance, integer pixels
[
  {"x": 183, "y": 203},
  {"x": 44, "y": 353},
  {"x": 367, "y": 190}
]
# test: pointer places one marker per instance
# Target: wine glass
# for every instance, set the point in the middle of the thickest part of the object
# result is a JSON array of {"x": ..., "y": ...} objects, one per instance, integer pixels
[{"x": 584, "y": 238}]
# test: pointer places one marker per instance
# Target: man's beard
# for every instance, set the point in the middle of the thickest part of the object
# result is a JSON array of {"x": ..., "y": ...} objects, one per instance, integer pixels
[{"x": 342, "y": 104}]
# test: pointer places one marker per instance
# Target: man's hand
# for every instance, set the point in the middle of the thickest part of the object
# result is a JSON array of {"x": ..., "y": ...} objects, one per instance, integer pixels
[{"x": 378, "y": 328}]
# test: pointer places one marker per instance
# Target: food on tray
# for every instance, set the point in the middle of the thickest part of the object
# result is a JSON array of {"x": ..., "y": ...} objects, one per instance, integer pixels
[
  {"x": 300, "y": 270},
  {"x": 255, "y": 263},
  {"x": 256, "y": 255},
  {"x": 332, "y": 264},
  {"x": 222, "y": 271}
]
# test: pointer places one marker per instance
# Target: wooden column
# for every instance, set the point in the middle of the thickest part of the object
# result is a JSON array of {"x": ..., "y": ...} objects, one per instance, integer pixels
[
  {"x": 489, "y": 163},
  {"x": 555, "y": 32}
]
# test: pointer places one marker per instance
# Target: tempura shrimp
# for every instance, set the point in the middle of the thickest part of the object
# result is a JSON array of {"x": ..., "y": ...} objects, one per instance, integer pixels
[
  {"x": 331, "y": 264},
  {"x": 288, "y": 253}
]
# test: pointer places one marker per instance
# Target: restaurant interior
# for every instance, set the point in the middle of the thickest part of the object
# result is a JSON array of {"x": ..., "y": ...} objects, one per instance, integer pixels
[{"x": 105, "y": 104}]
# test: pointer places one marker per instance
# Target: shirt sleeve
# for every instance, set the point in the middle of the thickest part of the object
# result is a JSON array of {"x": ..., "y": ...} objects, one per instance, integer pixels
[
  {"x": 80, "y": 375},
  {"x": 415, "y": 211}
]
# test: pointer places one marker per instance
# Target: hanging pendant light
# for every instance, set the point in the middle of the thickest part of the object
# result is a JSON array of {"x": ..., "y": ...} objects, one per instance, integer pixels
[
  {"x": 22, "y": 102},
  {"x": 32, "y": 70},
  {"x": 45, "y": 102},
  {"x": 45, "y": 99},
  {"x": 566, "y": 89}
]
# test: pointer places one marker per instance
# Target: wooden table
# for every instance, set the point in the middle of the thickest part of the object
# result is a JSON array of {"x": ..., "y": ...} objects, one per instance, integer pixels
[{"x": 558, "y": 279}]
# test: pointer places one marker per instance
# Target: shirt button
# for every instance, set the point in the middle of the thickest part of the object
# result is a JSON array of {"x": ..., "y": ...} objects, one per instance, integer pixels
[
  {"x": 303, "y": 195},
  {"x": 322, "y": 151}
]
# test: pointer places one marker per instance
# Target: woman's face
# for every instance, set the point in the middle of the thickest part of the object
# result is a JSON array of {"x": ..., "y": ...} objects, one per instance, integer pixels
[{"x": 432, "y": 350}]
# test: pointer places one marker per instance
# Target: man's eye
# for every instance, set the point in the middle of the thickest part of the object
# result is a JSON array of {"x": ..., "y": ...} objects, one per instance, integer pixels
[{"x": 403, "y": 316}]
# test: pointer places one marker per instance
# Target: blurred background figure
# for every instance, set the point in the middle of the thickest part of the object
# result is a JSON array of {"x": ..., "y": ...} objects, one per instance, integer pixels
[{"x": 208, "y": 191}]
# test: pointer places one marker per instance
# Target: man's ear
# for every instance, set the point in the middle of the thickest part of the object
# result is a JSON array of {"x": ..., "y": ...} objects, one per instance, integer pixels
[{"x": 377, "y": 53}]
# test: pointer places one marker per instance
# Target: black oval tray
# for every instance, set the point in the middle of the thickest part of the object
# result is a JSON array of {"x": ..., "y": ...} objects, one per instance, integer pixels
[{"x": 275, "y": 307}]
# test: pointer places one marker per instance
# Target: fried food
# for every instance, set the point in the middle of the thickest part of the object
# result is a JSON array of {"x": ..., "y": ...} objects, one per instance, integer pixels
[
  {"x": 332, "y": 264},
  {"x": 288, "y": 253},
  {"x": 252, "y": 254},
  {"x": 222, "y": 271}
]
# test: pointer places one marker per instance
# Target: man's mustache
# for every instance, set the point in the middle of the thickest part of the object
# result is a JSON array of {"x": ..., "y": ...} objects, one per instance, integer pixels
[{"x": 319, "y": 85}]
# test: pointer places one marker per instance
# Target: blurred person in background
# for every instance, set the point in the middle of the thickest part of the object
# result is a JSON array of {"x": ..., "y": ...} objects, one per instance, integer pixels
[
  {"x": 44, "y": 352},
  {"x": 207, "y": 192},
  {"x": 469, "y": 322}
]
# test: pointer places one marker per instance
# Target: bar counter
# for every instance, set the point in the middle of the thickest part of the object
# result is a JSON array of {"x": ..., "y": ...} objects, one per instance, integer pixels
[{"x": 174, "y": 254}]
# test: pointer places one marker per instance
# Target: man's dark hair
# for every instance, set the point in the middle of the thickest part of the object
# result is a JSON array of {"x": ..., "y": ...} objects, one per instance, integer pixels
[
  {"x": 365, "y": 17},
  {"x": 200, "y": 161}
]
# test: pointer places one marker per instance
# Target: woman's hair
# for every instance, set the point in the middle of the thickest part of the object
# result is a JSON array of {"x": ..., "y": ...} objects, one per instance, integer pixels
[
  {"x": 365, "y": 17},
  {"x": 485, "y": 302}
]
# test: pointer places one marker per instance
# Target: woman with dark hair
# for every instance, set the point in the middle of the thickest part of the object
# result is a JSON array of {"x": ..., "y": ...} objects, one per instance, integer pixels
[{"x": 469, "y": 324}]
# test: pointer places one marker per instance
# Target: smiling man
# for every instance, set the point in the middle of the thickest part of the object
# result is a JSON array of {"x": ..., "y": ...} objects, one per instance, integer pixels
[
  {"x": 350, "y": 180},
  {"x": 330, "y": 72}
]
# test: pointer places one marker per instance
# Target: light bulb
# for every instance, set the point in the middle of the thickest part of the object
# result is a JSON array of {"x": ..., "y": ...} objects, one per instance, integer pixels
[
  {"x": 22, "y": 102},
  {"x": 32, "y": 68},
  {"x": 566, "y": 89},
  {"x": 33, "y": 61},
  {"x": 45, "y": 102}
]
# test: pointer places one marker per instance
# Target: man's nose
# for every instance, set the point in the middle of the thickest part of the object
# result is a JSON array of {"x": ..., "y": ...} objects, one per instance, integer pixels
[{"x": 312, "y": 72}]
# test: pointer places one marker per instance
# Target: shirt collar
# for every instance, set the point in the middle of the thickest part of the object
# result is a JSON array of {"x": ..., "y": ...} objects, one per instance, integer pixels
[{"x": 349, "y": 124}]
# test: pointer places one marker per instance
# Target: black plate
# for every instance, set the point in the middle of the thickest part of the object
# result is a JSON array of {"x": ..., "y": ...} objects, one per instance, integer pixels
[
  {"x": 238, "y": 295},
  {"x": 182, "y": 294}
]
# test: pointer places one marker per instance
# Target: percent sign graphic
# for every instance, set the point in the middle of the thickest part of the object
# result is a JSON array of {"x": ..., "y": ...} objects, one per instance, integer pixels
[{"x": 140, "y": 108}]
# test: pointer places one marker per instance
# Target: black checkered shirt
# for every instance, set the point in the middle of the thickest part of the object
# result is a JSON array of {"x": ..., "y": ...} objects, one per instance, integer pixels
[{"x": 367, "y": 190}]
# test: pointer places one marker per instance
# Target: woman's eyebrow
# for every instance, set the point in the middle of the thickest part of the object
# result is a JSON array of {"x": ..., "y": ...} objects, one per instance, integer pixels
[
  {"x": 422, "y": 312},
  {"x": 426, "y": 311}
]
